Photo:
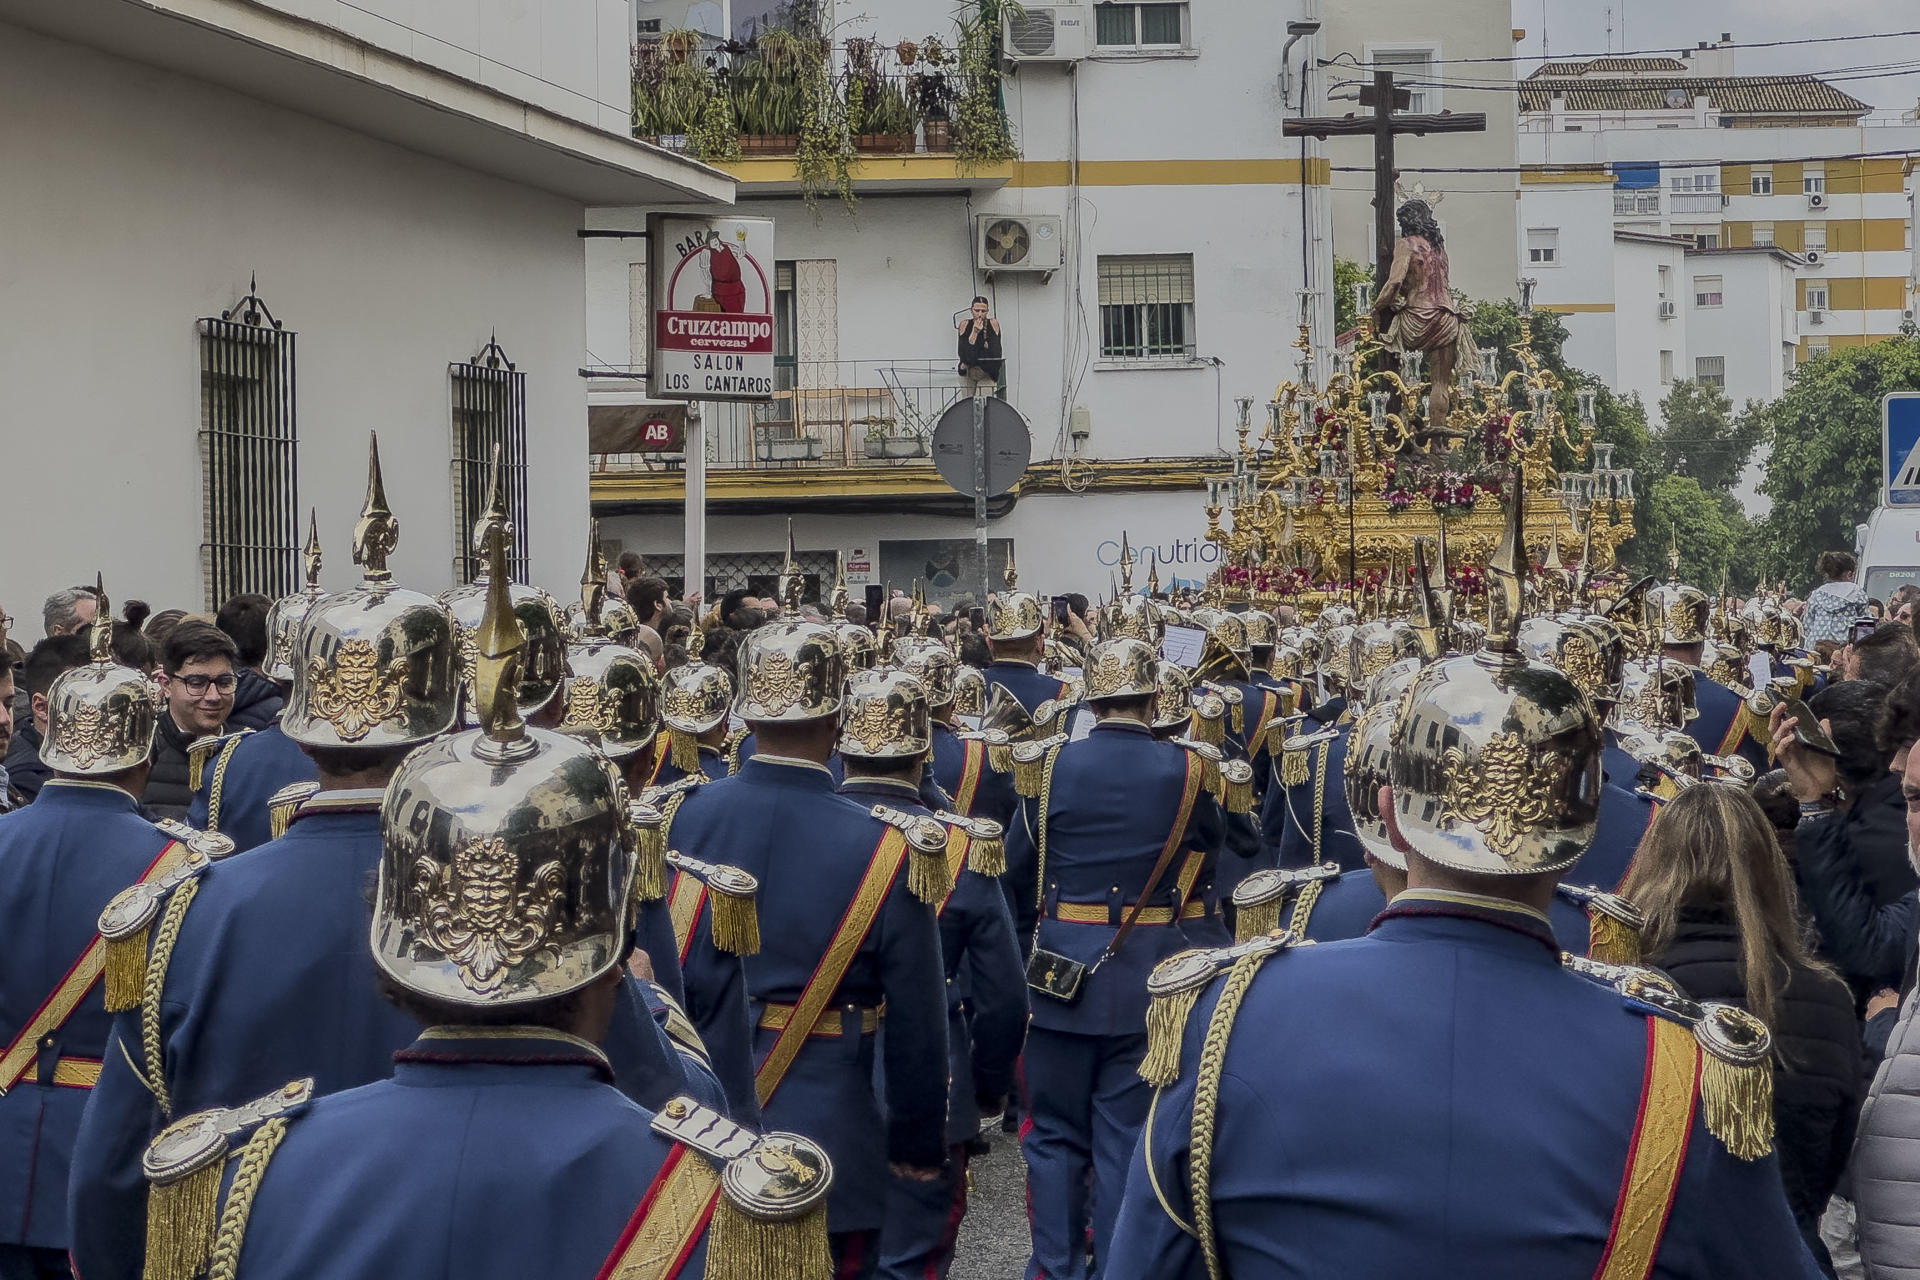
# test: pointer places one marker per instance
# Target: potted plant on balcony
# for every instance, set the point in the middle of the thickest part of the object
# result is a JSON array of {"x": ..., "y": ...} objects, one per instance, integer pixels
[
  {"x": 883, "y": 440},
  {"x": 672, "y": 93},
  {"x": 981, "y": 134},
  {"x": 768, "y": 85},
  {"x": 932, "y": 94},
  {"x": 878, "y": 114}
]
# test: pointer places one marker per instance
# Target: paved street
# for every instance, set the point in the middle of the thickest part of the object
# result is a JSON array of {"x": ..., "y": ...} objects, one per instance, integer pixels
[{"x": 993, "y": 1236}]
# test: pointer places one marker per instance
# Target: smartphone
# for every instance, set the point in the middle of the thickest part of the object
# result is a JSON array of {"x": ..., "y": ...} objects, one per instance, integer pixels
[
  {"x": 1060, "y": 610},
  {"x": 1806, "y": 730},
  {"x": 1862, "y": 628}
]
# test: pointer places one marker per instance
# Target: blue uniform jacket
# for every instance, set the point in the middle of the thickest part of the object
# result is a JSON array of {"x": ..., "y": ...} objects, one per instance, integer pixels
[
  {"x": 506, "y": 1156},
  {"x": 810, "y": 848},
  {"x": 1471, "y": 1118},
  {"x": 986, "y": 981},
  {"x": 1114, "y": 803},
  {"x": 712, "y": 764},
  {"x": 1023, "y": 680},
  {"x": 993, "y": 794},
  {"x": 262, "y": 763},
  {"x": 1622, "y": 820},
  {"x": 1287, "y": 819},
  {"x": 62, "y": 859},
  {"x": 272, "y": 980}
]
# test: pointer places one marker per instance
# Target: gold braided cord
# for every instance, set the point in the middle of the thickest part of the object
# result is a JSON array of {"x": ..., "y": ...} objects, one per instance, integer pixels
[
  {"x": 164, "y": 937},
  {"x": 1319, "y": 797},
  {"x": 246, "y": 1183},
  {"x": 667, "y": 811},
  {"x": 220, "y": 782},
  {"x": 1040, "y": 838},
  {"x": 1206, "y": 1104},
  {"x": 1303, "y": 907}
]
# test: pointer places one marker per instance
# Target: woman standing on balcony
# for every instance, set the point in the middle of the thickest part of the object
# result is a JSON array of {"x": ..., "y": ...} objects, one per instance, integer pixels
[{"x": 980, "y": 358}]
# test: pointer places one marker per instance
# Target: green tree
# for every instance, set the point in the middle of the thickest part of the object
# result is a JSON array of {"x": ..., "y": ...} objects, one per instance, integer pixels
[
  {"x": 1346, "y": 274},
  {"x": 1702, "y": 437},
  {"x": 1824, "y": 472},
  {"x": 1709, "y": 526}
]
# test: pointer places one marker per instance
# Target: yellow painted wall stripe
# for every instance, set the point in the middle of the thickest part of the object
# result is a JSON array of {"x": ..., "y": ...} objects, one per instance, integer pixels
[
  {"x": 1533, "y": 177},
  {"x": 1172, "y": 173},
  {"x": 1858, "y": 235},
  {"x": 1572, "y": 308}
]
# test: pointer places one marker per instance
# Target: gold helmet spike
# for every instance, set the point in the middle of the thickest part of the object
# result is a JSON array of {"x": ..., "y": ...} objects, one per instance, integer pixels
[
  {"x": 837, "y": 602},
  {"x": 1427, "y": 622},
  {"x": 1673, "y": 551},
  {"x": 311, "y": 555},
  {"x": 1552, "y": 559},
  {"x": 1126, "y": 564},
  {"x": 1153, "y": 572},
  {"x": 1013, "y": 570},
  {"x": 496, "y": 508},
  {"x": 378, "y": 532},
  {"x": 499, "y": 642},
  {"x": 918, "y": 624},
  {"x": 593, "y": 582},
  {"x": 792, "y": 585},
  {"x": 100, "y": 634},
  {"x": 1507, "y": 573}
]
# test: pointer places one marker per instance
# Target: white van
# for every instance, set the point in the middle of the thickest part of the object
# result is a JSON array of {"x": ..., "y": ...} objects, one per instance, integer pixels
[{"x": 1888, "y": 548}]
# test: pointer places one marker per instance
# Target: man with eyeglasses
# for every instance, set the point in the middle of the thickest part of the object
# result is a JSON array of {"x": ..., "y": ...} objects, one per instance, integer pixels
[{"x": 198, "y": 661}]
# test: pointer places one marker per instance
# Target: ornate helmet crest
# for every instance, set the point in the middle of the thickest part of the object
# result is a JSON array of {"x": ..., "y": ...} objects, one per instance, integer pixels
[
  {"x": 100, "y": 717},
  {"x": 790, "y": 671},
  {"x": 288, "y": 612},
  {"x": 1122, "y": 668},
  {"x": 932, "y": 663},
  {"x": 374, "y": 666},
  {"x": 508, "y": 855},
  {"x": 694, "y": 697},
  {"x": 1013, "y": 615},
  {"x": 969, "y": 693},
  {"x": 885, "y": 717}
]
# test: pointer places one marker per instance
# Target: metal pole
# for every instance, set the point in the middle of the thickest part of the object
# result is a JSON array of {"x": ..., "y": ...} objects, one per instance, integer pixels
[
  {"x": 980, "y": 393},
  {"x": 696, "y": 535}
]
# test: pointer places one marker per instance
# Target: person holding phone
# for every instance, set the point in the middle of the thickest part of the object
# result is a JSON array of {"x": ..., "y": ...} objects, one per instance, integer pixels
[{"x": 981, "y": 360}]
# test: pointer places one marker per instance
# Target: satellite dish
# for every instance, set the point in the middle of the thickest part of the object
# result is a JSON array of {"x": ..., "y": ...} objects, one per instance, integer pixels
[{"x": 1009, "y": 446}]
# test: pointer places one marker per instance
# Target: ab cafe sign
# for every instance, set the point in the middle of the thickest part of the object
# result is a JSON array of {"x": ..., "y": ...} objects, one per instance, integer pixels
[{"x": 712, "y": 297}]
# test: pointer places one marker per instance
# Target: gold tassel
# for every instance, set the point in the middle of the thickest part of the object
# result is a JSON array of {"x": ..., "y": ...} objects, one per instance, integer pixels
[
  {"x": 1166, "y": 1028},
  {"x": 1239, "y": 718},
  {"x": 927, "y": 874},
  {"x": 743, "y": 1247},
  {"x": 1611, "y": 941},
  {"x": 1000, "y": 757},
  {"x": 1293, "y": 767},
  {"x": 196, "y": 768},
  {"x": 988, "y": 857},
  {"x": 1240, "y": 795},
  {"x": 126, "y": 970},
  {"x": 1028, "y": 775},
  {"x": 1211, "y": 730},
  {"x": 649, "y": 864},
  {"x": 182, "y": 1219},
  {"x": 280, "y": 817},
  {"x": 736, "y": 922},
  {"x": 1739, "y": 1105},
  {"x": 684, "y": 751},
  {"x": 1256, "y": 920},
  {"x": 1211, "y": 779}
]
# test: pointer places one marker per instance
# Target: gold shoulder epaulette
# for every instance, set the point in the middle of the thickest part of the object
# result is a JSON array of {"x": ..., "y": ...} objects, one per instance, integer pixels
[
  {"x": 1030, "y": 763},
  {"x": 1047, "y": 712},
  {"x": 999, "y": 747},
  {"x": 656, "y": 795},
  {"x": 1232, "y": 699},
  {"x": 183, "y": 1166},
  {"x": 1209, "y": 723},
  {"x": 1259, "y": 899},
  {"x": 284, "y": 803},
  {"x": 1736, "y": 1071},
  {"x": 1210, "y": 756},
  {"x": 647, "y": 826},
  {"x": 1237, "y": 775},
  {"x": 770, "y": 1221},
  {"x": 1613, "y": 923},
  {"x": 1174, "y": 987},
  {"x": 731, "y": 749},
  {"x": 985, "y": 839},
  {"x": 926, "y": 851},
  {"x": 732, "y": 893},
  {"x": 126, "y": 924},
  {"x": 201, "y": 750}
]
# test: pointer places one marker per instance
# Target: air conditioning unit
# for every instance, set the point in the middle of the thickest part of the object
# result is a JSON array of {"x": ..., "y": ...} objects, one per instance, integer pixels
[
  {"x": 1045, "y": 33},
  {"x": 1018, "y": 241},
  {"x": 1816, "y": 317},
  {"x": 1816, "y": 201},
  {"x": 1815, "y": 257},
  {"x": 1668, "y": 310}
]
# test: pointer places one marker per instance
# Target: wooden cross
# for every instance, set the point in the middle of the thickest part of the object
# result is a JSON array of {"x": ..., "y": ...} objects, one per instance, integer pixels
[{"x": 1383, "y": 125}]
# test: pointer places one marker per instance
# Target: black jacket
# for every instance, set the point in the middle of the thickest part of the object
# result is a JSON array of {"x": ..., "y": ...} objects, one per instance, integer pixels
[
  {"x": 1817, "y": 1074},
  {"x": 167, "y": 794},
  {"x": 24, "y": 769},
  {"x": 1874, "y": 831},
  {"x": 256, "y": 701},
  {"x": 1871, "y": 942}
]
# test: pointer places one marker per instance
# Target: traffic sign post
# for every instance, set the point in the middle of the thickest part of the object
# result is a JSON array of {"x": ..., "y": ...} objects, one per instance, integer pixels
[
  {"x": 981, "y": 447},
  {"x": 1900, "y": 449}
]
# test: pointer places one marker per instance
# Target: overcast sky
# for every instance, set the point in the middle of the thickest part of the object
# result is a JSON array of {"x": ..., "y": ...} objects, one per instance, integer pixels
[{"x": 1580, "y": 27}]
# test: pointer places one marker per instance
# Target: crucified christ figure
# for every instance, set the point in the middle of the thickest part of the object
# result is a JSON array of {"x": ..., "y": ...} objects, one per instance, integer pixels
[{"x": 1415, "y": 312}]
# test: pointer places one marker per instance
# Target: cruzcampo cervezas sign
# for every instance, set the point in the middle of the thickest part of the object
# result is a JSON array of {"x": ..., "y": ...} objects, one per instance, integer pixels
[{"x": 712, "y": 298}]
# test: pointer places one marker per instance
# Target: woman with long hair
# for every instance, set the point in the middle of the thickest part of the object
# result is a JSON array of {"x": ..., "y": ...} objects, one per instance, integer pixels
[{"x": 1721, "y": 920}]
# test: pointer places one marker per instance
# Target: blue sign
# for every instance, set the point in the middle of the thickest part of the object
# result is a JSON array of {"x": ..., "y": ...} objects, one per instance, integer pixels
[{"x": 1900, "y": 447}]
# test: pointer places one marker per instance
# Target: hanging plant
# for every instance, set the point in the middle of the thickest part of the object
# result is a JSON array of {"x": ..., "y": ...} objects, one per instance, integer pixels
[{"x": 982, "y": 134}]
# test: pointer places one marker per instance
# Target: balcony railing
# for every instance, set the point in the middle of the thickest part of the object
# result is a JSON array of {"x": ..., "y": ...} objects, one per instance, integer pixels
[
  {"x": 846, "y": 413},
  {"x": 1697, "y": 202},
  {"x": 1635, "y": 202}
]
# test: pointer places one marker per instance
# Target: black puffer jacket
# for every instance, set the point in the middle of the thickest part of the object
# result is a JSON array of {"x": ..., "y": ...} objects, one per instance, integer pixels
[
  {"x": 1817, "y": 1057},
  {"x": 167, "y": 794},
  {"x": 256, "y": 701}
]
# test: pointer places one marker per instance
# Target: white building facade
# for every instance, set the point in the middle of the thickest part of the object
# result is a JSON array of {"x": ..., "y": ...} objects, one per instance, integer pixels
[
  {"x": 242, "y": 235},
  {"x": 1173, "y": 232}
]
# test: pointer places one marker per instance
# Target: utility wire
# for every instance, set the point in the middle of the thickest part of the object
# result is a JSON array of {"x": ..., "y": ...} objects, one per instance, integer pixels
[{"x": 1669, "y": 51}]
